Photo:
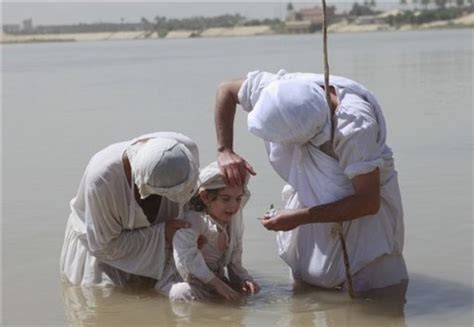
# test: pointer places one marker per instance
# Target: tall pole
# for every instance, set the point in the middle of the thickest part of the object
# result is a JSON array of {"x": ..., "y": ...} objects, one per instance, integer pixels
[{"x": 338, "y": 226}]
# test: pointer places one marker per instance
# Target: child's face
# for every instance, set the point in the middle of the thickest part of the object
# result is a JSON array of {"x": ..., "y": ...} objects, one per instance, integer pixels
[{"x": 225, "y": 204}]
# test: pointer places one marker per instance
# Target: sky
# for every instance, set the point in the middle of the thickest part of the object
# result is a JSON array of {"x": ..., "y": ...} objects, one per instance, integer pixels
[{"x": 73, "y": 12}]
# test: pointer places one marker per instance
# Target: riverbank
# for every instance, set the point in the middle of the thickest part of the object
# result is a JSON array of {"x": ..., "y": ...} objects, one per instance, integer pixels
[
  {"x": 347, "y": 27},
  {"x": 240, "y": 31}
]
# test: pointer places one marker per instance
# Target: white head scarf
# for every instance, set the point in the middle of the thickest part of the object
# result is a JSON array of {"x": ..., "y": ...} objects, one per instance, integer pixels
[
  {"x": 255, "y": 89},
  {"x": 211, "y": 178},
  {"x": 165, "y": 167},
  {"x": 291, "y": 111}
]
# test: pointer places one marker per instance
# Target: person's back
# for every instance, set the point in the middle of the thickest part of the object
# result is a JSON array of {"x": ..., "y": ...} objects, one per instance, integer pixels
[
  {"x": 339, "y": 169},
  {"x": 110, "y": 237}
]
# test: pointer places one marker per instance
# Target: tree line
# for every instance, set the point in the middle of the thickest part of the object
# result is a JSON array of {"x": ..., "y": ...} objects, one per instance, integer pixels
[{"x": 160, "y": 24}]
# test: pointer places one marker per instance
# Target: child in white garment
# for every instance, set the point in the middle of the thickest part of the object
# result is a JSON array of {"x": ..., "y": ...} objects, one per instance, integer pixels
[{"x": 217, "y": 215}]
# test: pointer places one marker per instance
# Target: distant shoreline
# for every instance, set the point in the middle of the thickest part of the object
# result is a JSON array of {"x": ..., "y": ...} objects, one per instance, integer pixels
[{"x": 240, "y": 31}]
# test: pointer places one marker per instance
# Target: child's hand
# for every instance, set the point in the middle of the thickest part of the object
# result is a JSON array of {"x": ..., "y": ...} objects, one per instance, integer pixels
[
  {"x": 225, "y": 290},
  {"x": 249, "y": 287}
]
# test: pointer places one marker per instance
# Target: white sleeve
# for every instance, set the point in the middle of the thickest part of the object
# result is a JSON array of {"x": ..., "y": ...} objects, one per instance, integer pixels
[
  {"x": 356, "y": 139},
  {"x": 188, "y": 258},
  {"x": 140, "y": 252}
]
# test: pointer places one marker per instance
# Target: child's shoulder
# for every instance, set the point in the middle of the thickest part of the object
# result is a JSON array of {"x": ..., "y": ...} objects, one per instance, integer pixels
[
  {"x": 194, "y": 217},
  {"x": 192, "y": 214}
]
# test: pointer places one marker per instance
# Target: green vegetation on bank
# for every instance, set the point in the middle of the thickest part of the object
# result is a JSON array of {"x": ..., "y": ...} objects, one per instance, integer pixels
[
  {"x": 425, "y": 16},
  {"x": 159, "y": 25},
  {"x": 162, "y": 25}
]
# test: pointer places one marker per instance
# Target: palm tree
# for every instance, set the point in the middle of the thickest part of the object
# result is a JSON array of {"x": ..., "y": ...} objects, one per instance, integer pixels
[{"x": 147, "y": 27}]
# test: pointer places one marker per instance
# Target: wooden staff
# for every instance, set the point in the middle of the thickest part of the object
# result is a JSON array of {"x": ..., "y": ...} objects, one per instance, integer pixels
[{"x": 338, "y": 226}]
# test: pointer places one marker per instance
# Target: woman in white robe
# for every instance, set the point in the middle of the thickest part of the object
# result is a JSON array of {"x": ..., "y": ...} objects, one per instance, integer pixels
[{"x": 128, "y": 196}]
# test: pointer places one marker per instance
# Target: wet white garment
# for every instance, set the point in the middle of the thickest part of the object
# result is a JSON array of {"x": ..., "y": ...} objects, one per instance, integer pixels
[
  {"x": 196, "y": 267},
  {"x": 223, "y": 248},
  {"x": 315, "y": 178},
  {"x": 224, "y": 242},
  {"x": 108, "y": 237}
]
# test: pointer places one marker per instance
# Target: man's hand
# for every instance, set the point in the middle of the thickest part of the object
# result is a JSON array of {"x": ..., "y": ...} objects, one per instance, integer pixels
[
  {"x": 249, "y": 287},
  {"x": 365, "y": 201},
  {"x": 285, "y": 219},
  {"x": 233, "y": 167},
  {"x": 225, "y": 290},
  {"x": 171, "y": 226},
  {"x": 201, "y": 241}
]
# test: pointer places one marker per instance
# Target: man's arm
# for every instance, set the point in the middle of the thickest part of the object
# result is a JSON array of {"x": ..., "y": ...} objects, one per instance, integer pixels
[
  {"x": 365, "y": 201},
  {"x": 233, "y": 167},
  {"x": 226, "y": 102}
]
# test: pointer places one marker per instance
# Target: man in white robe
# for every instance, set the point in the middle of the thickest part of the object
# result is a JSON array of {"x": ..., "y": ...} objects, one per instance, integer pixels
[
  {"x": 122, "y": 218},
  {"x": 338, "y": 169}
]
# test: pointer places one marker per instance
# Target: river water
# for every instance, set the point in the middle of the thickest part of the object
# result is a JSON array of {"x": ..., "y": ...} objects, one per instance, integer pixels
[{"x": 62, "y": 102}]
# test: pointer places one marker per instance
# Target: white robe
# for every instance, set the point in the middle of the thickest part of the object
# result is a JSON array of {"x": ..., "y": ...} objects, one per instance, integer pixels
[
  {"x": 208, "y": 261},
  {"x": 108, "y": 238},
  {"x": 312, "y": 252},
  {"x": 196, "y": 267}
]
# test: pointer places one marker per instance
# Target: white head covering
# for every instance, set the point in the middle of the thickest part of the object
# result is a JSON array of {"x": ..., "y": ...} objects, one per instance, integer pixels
[
  {"x": 255, "y": 88},
  {"x": 165, "y": 167},
  {"x": 211, "y": 178},
  {"x": 291, "y": 111}
]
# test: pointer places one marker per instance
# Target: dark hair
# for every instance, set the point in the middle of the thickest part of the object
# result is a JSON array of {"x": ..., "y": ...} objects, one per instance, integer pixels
[{"x": 196, "y": 202}]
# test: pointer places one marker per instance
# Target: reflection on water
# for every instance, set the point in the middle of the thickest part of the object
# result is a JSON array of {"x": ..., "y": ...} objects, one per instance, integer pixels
[
  {"x": 284, "y": 305},
  {"x": 442, "y": 300},
  {"x": 126, "y": 306},
  {"x": 277, "y": 304}
]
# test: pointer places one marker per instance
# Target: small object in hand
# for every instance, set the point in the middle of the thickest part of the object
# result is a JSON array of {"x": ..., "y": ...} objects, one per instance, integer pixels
[{"x": 271, "y": 212}]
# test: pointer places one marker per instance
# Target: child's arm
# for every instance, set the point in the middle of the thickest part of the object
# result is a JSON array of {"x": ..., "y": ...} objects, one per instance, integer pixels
[
  {"x": 223, "y": 289},
  {"x": 188, "y": 258},
  {"x": 238, "y": 275}
]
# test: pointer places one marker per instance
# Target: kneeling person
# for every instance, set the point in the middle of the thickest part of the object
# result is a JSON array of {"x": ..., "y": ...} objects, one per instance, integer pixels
[
  {"x": 123, "y": 213},
  {"x": 217, "y": 216}
]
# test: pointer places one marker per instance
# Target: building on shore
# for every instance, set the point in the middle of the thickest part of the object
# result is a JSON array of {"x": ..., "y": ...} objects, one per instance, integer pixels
[
  {"x": 28, "y": 25},
  {"x": 11, "y": 28},
  {"x": 306, "y": 20}
]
